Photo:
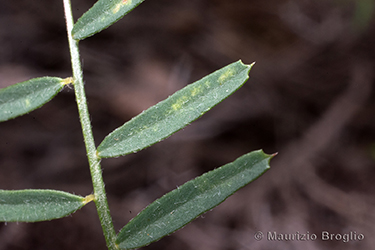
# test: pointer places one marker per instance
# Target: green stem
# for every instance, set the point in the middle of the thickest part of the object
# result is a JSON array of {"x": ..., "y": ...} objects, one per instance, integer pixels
[{"x": 94, "y": 160}]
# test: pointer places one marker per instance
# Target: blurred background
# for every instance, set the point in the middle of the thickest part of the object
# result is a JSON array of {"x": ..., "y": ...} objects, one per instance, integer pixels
[{"x": 310, "y": 98}]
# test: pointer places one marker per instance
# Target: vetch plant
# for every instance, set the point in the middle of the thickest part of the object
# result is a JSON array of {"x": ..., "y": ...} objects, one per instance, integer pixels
[{"x": 173, "y": 210}]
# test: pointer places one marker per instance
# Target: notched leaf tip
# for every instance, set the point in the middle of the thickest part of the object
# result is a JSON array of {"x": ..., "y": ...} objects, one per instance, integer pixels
[{"x": 251, "y": 64}]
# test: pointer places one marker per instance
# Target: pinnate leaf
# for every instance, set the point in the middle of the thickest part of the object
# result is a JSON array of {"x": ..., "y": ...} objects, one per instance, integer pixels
[
  {"x": 103, "y": 14},
  {"x": 175, "y": 112},
  {"x": 182, "y": 205},
  {"x": 23, "y": 97},
  {"x": 32, "y": 205}
]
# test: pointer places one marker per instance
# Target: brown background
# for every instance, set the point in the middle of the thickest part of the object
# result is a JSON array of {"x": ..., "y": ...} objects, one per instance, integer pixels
[{"x": 310, "y": 98}]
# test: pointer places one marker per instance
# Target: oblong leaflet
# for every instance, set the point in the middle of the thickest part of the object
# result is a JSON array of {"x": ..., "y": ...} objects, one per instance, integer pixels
[
  {"x": 100, "y": 16},
  {"x": 184, "y": 204},
  {"x": 175, "y": 112},
  {"x": 23, "y": 97},
  {"x": 33, "y": 205}
]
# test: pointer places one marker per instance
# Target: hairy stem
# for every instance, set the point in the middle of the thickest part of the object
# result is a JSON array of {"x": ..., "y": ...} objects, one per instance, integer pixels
[{"x": 94, "y": 161}]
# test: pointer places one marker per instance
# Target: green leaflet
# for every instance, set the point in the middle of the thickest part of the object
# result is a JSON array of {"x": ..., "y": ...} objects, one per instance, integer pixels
[
  {"x": 363, "y": 14},
  {"x": 23, "y": 97},
  {"x": 182, "y": 205},
  {"x": 32, "y": 205},
  {"x": 175, "y": 112},
  {"x": 103, "y": 14}
]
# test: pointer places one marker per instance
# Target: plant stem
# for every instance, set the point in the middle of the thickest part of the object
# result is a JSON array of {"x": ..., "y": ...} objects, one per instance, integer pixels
[{"x": 94, "y": 160}]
